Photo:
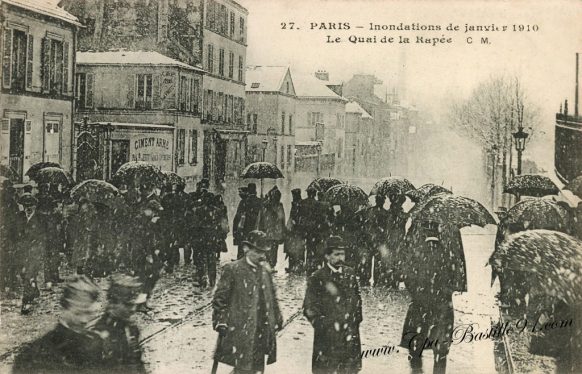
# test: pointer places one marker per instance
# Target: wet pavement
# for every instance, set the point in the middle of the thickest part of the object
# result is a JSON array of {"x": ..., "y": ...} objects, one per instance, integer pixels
[{"x": 177, "y": 335}]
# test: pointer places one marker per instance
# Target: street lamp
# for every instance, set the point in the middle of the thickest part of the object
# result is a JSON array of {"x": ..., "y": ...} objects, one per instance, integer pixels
[
  {"x": 265, "y": 145},
  {"x": 520, "y": 137}
]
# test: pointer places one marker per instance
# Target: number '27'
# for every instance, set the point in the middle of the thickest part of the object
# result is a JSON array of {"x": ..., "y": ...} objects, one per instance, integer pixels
[{"x": 287, "y": 25}]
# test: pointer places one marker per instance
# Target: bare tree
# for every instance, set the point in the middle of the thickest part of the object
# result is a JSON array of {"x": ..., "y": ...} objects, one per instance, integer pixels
[{"x": 494, "y": 110}]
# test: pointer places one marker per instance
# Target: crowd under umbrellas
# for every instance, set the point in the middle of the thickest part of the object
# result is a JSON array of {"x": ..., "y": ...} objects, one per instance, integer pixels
[{"x": 131, "y": 230}]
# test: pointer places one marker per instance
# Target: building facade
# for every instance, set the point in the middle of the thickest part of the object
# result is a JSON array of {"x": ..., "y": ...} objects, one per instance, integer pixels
[
  {"x": 153, "y": 104},
  {"x": 568, "y": 145},
  {"x": 36, "y": 98},
  {"x": 271, "y": 105},
  {"x": 359, "y": 130}
]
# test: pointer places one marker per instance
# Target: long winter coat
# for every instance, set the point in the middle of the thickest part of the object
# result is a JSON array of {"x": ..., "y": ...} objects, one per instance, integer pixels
[
  {"x": 272, "y": 221},
  {"x": 236, "y": 304},
  {"x": 245, "y": 219},
  {"x": 333, "y": 305},
  {"x": 31, "y": 244},
  {"x": 294, "y": 240}
]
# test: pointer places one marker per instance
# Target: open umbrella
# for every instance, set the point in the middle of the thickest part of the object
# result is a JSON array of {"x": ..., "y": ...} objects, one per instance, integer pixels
[
  {"x": 137, "y": 173},
  {"x": 539, "y": 214},
  {"x": 8, "y": 172},
  {"x": 261, "y": 170},
  {"x": 96, "y": 191},
  {"x": 53, "y": 175},
  {"x": 575, "y": 186},
  {"x": 324, "y": 183},
  {"x": 34, "y": 169},
  {"x": 391, "y": 186},
  {"x": 455, "y": 210},
  {"x": 552, "y": 260},
  {"x": 425, "y": 191},
  {"x": 346, "y": 195},
  {"x": 531, "y": 185},
  {"x": 171, "y": 178}
]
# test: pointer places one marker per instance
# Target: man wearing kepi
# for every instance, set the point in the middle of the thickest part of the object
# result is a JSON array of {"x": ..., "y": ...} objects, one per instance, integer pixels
[
  {"x": 333, "y": 305},
  {"x": 246, "y": 312}
]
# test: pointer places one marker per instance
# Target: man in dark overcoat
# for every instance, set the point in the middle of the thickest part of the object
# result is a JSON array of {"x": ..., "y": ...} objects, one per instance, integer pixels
[
  {"x": 312, "y": 223},
  {"x": 246, "y": 312},
  {"x": 246, "y": 217},
  {"x": 333, "y": 305}
]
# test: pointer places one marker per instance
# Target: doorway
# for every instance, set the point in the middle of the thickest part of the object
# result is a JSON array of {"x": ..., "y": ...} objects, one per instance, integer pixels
[{"x": 16, "y": 147}]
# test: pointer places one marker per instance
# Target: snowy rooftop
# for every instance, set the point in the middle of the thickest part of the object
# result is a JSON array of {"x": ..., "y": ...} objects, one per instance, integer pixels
[
  {"x": 130, "y": 58},
  {"x": 354, "y": 107},
  {"x": 47, "y": 7},
  {"x": 265, "y": 78},
  {"x": 309, "y": 86}
]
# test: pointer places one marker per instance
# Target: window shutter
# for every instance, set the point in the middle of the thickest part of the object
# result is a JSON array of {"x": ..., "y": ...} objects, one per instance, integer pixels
[
  {"x": 46, "y": 53},
  {"x": 29, "y": 61},
  {"x": 7, "y": 59},
  {"x": 131, "y": 90},
  {"x": 156, "y": 96},
  {"x": 65, "y": 68},
  {"x": 90, "y": 83}
]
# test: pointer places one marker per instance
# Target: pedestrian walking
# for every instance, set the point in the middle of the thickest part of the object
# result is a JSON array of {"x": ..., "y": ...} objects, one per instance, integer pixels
[
  {"x": 247, "y": 214},
  {"x": 375, "y": 236},
  {"x": 312, "y": 223},
  {"x": 333, "y": 305},
  {"x": 294, "y": 246},
  {"x": 52, "y": 221},
  {"x": 71, "y": 347},
  {"x": 195, "y": 240},
  {"x": 392, "y": 259},
  {"x": 9, "y": 212},
  {"x": 272, "y": 222},
  {"x": 246, "y": 312},
  {"x": 121, "y": 352}
]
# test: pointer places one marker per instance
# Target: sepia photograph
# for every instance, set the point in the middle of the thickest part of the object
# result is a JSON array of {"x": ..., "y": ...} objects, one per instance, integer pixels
[{"x": 290, "y": 186}]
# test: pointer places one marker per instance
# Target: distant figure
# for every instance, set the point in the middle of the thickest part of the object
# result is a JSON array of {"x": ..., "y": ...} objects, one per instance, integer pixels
[
  {"x": 294, "y": 241},
  {"x": 272, "y": 222},
  {"x": 246, "y": 311},
  {"x": 71, "y": 347},
  {"x": 312, "y": 223},
  {"x": 247, "y": 214},
  {"x": 397, "y": 219},
  {"x": 375, "y": 237},
  {"x": 333, "y": 305}
]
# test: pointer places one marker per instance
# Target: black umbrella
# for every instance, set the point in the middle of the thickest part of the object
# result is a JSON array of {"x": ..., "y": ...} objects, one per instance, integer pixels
[
  {"x": 552, "y": 260},
  {"x": 262, "y": 170},
  {"x": 391, "y": 186},
  {"x": 575, "y": 185},
  {"x": 8, "y": 172},
  {"x": 171, "y": 178},
  {"x": 323, "y": 184},
  {"x": 34, "y": 169},
  {"x": 96, "y": 191},
  {"x": 138, "y": 173},
  {"x": 454, "y": 210},
  {"x": 531, "y": 185},
  {"x": 53, "y": 175},
  {"x": 347, "y": 195},
  {"x": 538, "y": 213},
  {"x": 425, "y": 191}
]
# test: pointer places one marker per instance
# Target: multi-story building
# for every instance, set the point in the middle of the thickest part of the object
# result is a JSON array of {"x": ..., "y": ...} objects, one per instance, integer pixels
[
  {"x": 320, "y": 114},
  {"x": 210, "y": 34},
  {"x": 36, "y": 97},
  {"x": 152, "y": 104},
  {"x": 271, "y": 105}
]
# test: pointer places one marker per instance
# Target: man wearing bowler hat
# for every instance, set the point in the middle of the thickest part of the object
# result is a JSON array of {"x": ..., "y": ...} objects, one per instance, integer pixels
[
  {"x": 246, "y": 313},
  {"x": 333, "y": 305}
]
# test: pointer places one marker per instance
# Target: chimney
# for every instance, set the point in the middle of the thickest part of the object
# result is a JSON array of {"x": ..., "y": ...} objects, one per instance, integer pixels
[
  {"x": 322, "y": 75},
  {"x": 577, "y": 89}
]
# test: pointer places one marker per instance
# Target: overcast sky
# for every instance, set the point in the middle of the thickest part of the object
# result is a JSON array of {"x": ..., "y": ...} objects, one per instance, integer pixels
[{"x": 545, "y": 60}]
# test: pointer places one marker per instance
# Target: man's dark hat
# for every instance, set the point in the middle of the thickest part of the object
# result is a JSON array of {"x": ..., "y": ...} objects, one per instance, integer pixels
[
  {"x": 252, "y": 189},
  {"x": 27, "y": 200},
  {"x": 257, "y": 240},
  {"x": 335, "y": 242}
]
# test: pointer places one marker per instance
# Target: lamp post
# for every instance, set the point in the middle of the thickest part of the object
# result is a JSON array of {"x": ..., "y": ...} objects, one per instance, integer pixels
[
  {"x": 318, "y": 149},
  {"x": 520, "y": 137}
]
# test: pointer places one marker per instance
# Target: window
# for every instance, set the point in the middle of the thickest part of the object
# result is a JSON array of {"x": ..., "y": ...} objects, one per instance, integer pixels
[
  {"x": 15, "y": 60},
  {"x": 249, "y": 123},
  {"x": 195, "y": 95},
  {"x": 206, "y": 105},
  {"x": 181, "y": 146},
  {"x": 287, "y": 87},
  {"x": 220, "y": 106},
  {"x": 232, "y": 24},
  {"x": 283, "y": 123},
  {"x": 255, "y": 85},
  {"x": 211, "y": 14},
  {"x": 221, "y": 62},
  {"x": 84, "y": 90},
  {"x": 340, "y": 147},
  {"x": 290, "y": 124},
  {"x": 143, "y": 98},
  {"x": 210, "y": 58},
  {"x": 184, "y": 102},
  {"x": 319, "y": 131},
  {"x": 230, "y": 65},
  {"x": 223, "y": 19},
  {"x": 314, "y": 118},
  {"x": 193, "y": 150},
  {"x": 282, "y": 157},
  {"x": 210, "y": 106},
  {"x": 242, "y": 29},
  {"x": 255, "y": 123},
  {"x": 240, "y": 68},
  {"x": 289, "y": 156}
]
